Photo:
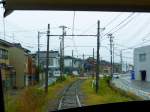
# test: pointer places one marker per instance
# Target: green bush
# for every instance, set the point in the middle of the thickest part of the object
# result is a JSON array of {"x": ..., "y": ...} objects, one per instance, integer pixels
[{"x": 61, "y": 78}]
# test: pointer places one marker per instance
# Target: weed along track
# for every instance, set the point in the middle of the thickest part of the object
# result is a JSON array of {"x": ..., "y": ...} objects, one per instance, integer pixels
[{"x": 70, "y": 96}]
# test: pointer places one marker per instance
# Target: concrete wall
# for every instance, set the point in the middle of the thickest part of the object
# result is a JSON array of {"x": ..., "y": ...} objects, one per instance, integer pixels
[
  {"x": 18, "y": 59},
  {"x": 142, "y": 65}
]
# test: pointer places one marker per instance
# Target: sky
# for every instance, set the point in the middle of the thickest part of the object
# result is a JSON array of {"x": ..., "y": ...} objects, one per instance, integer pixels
[{"x": 130, "y": 30}]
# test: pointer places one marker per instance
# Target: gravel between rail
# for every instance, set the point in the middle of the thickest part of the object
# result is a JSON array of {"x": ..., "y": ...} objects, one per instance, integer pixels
[{"x": 72, "y": 96}]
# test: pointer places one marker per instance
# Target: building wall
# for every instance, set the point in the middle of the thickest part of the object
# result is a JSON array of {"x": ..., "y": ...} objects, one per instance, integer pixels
[
  {"x": 68, "y": 62},
  {"x": 142, "y": 65},
  {"x": 6, "y": 61},
  {"x": 6, "y": 73},
  {"x": 53, "y": 59},
  {"x": 77, "y": 64},
  {"x": 18, "y": 59}
]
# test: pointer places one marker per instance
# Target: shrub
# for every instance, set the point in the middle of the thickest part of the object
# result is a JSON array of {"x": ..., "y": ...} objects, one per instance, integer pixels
[
  {"x": 31, "y": 100},
  {"x": 61, "y": 78}
]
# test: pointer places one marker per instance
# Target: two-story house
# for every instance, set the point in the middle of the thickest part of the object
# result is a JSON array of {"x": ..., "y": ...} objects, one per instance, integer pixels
[
  {"x": 142, "y": 63},
  {"x": 6, "y": 69},
  {"x": 72, "y": 65},
  {"x": 19, "y": 59},
  {"x": 53, "y": 61}
]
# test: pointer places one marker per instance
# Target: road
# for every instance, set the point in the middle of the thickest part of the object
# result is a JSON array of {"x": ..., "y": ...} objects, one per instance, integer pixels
[
  {"x": 140, "y": 85},
  {"x": 140, "y": 88}
]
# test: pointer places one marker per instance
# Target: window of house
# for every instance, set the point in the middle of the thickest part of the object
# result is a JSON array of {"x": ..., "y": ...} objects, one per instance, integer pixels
[
  {"x": 142, "y": 57},
  {"x": 0, "y": 53},
  {"x": 51, "y": 62},
  {"x": 3, "y": 54}
]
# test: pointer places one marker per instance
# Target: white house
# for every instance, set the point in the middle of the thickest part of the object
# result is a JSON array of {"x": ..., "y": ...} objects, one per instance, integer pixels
[
  {"x": 68, "y": 61},
  {"x": 142, "y": 63},
  {"x": 72, "y": 64},
  {"x": 53, "y": 62}
]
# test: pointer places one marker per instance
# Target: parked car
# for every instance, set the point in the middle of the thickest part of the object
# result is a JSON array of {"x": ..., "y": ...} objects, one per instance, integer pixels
[{"x": 116, "y": 75}]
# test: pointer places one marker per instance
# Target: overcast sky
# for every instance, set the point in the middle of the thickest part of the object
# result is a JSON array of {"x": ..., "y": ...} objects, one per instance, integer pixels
[{"x": 129, "y": 30}]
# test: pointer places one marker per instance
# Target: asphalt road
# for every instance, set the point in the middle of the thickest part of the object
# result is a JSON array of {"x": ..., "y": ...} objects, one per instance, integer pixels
[{"x": 140, "y": 85}]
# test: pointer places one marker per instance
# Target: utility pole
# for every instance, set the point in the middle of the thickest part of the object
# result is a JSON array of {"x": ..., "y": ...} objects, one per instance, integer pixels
[
  {"x": 126, "y": 66},
  {"x": 113, "y": 58},
  {"x": 38, "y": 55},
  {"x": 93, "y": 63},
  {"x": 111, "y": 51},
  {"x": 93, "y": 53},
  {"x": 60, "y": 63},
  {"x": 72, "y": 60},
  {"x": 62, "y": 49},
  {"x": 121, "y": 60},
  {"x": 83, "y": 64},
  {"x": 47, "y": 60},
  {"x": 97, "y": 63}
]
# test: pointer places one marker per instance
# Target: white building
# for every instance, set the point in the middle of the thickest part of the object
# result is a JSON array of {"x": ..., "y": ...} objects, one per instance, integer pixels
[
  {"x": 72, "y": 64},
  {"x": 53, "y": 62},
  {"x": 68, "y": 61},
  {"x": 142, "y": 63}
]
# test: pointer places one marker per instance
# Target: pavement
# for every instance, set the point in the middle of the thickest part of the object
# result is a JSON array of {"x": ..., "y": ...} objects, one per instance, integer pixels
[
  {"x": 140, "y": 85},
  {"x": 140, "y": 88}
]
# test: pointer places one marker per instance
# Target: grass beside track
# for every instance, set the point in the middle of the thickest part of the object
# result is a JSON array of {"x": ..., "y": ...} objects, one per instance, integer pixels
[
  {"x": 33, "y": 99},
  {"x": 106, "y": 94}
]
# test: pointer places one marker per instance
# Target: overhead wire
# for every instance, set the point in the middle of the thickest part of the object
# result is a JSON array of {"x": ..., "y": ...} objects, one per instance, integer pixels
[
  {"x": 73, "y": 26},
  {"x": 124, "y": 20},
  {"x": 115, "y": 18},
  {"x": 129, "y": 21},
  {"x": 140, "y": 29}
]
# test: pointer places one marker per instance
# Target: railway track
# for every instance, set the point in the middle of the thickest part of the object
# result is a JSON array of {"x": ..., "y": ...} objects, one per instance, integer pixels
[{"x": 70, "y": 96}]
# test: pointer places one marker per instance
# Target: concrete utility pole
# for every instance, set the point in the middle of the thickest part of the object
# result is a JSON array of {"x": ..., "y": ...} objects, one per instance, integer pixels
[
  {"x": 126, "y": 66},
  {"x": 72, "y": 60},
  {"x": 93, "y": 53},
  {"x": 93, "y": 62},
  {"x": 113, "y": 57},
  {"x": 83, "y": 63},
  {"x": 97, "y": 64},
  {"x": 38, "y": 55},
  {"x": 111, "y": 51},
  {"x": 60, "y": 62},
  {"x": 47, "y": 60},
  {"x": 62, "y": 50},
  {"x": 121, "y": 60}
]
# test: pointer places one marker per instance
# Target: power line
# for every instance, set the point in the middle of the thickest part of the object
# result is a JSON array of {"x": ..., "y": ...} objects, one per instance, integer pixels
[
  {"x": 91, "y": 26},
  {"x": 73, "y": 26},
  {"x": 124, "y": 24},
  {"x": 120, "y": 23},
  {"x": 111, "y": 21},
  {"x": 139, "y": 30}
]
